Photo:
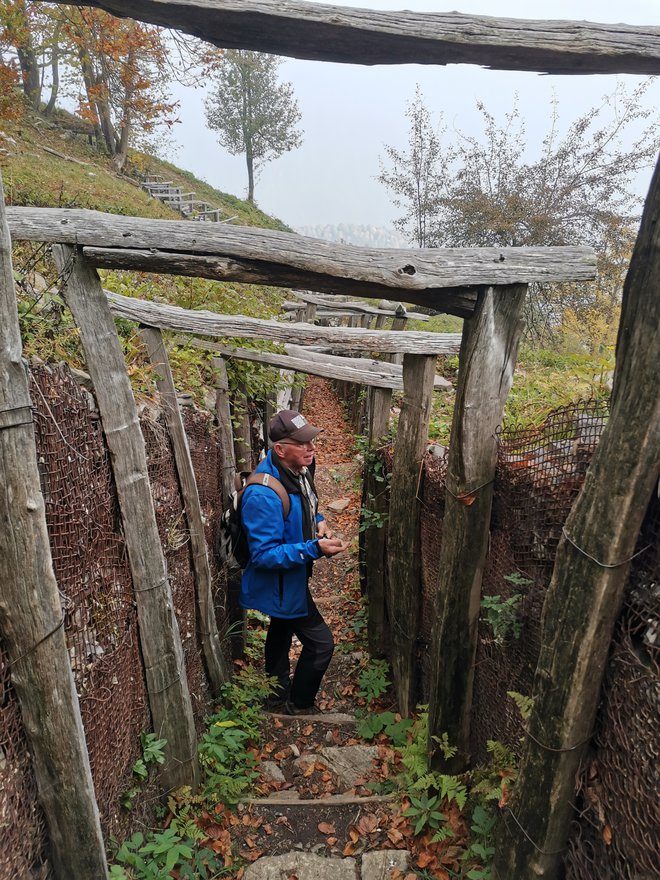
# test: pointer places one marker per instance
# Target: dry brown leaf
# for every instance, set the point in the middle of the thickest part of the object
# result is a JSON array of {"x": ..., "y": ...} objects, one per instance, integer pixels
[
  {"x": 251, "y": 855},
  {"x": 424, "y": 859},
  {"x": 307, "y": 729},
  {"x": 395, "y": 836},
  {"x": 349, "y": 849},
  {"x": 327, "y": 828},
  {"x": 331, "y": 841},
  {"x": 607, "y": 835},
  {"x": 368, "y": 824}
]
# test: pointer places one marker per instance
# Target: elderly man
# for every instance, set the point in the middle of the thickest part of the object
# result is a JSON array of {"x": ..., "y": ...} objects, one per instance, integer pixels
[{"x": 282, "y": 552}]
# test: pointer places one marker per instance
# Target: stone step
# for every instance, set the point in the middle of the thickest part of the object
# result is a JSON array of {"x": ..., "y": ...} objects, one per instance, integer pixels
[{"x": 376, "y": 865}]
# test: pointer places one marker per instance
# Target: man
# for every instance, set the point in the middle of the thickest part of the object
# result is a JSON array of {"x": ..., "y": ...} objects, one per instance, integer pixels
[{"x": 282, "y": 552}]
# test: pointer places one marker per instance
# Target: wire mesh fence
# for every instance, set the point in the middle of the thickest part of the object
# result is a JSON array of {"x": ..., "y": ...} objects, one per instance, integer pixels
[
  {"x": 540, "y": 471},
  {"x": 93, "y": 575}
]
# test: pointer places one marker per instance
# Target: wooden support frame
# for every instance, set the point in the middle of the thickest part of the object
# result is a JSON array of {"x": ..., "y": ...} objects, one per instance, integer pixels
[
  {"x": 216, "y": 665},
  {"x": 167, "y": 686},
  {"x": 31, "y": 617},
  {"x": 487, "y": 359},
  {"x": 403, "y": 532},
  {"x": 591, "y": 567}
]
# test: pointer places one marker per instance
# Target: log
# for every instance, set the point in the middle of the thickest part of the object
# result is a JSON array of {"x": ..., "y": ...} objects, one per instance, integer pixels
[
  {"x": 205, "y": 323},
  {"x": 486, "y": 365},
  {"x": 363, "y": 371},
  {"x": 376, "y": 502},
  {"x": 31, "y": 618},
  {"x": 169, "y": 697},
  {"x": 443, "y": 278},
  {"x": 216, "y": 665},
  {"x": 590, "y": 572},
  {"x": 323, "y": 302},
  {"x": 322, "y": 32},
  {"x": 404, "y": 550}
]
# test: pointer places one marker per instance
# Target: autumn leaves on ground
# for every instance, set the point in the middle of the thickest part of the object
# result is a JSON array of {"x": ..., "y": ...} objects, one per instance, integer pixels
[{"x": 304, "y": 797}]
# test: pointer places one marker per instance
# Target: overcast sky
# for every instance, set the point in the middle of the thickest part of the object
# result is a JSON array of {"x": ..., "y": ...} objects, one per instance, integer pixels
[{"x": 349, "y": 112}]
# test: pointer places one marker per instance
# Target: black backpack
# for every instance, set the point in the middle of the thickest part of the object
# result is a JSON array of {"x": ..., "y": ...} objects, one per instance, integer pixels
[{"x": 232, "y": 546}]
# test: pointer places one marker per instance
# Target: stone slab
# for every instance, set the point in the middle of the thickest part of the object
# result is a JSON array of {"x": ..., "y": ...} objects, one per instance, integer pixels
[
  {"x": 350, "y": 763},
  {"x": 380, "y": 864},
  {"x": 303, "y": 866}
]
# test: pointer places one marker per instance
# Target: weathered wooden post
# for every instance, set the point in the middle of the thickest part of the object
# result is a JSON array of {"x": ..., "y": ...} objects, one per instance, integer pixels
[
  {"x": 399, "y": 322},
  {"x": 487, "y": 362},
  {"x": 169, "y": 697},
  {"x": 403, "y": 534},
  {"x": 376, "y": 503},
  {"x": 216, "y": 665},
  {"x": 236, "y": 617},
  {"x": 31, "y": 617},
  {"x": 591, "y": 566},
  {"x": 242, "y": 430}
]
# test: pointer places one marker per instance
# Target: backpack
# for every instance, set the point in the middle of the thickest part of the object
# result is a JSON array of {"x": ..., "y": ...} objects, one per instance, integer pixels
[{"x": 232, "y": 545}]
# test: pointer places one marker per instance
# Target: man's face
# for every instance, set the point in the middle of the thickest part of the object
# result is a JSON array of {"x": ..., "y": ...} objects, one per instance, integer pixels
[{"x": 295, "y": 455}]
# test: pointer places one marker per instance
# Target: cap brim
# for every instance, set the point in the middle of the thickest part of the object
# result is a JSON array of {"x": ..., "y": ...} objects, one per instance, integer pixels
[{"x": 305, "y": 434}]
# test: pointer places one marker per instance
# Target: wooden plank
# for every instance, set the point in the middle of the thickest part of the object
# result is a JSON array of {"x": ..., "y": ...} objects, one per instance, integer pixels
[
  {"x": 404, "y": 550},
  {"x": 31, "y": 618},
  {"x": 322, "y": 32},
  {"x": 590, "y": 573},
  {"x": 363, "y": 371},
  {"x": 486, "y": 365},
  {"x": 223, "y": 415},
  {"x": 169, "y": 698},
  {"x": 205, "y": 323},
  {"x": 216, "y": 665},
  {"x": 375, "y": 500}
]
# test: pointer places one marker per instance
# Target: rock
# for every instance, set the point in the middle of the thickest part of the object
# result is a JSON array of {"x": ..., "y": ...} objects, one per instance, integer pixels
[
  {"x": 82, "y": 378},
  {"x": 304, "y": 866},
  {"x": 350, "y": 763},
  {"x": 302, "y": 763},
  {"x": 437, "y": 451},
  {"x": 380, "y": 864},
  {"x": 340, "y": 505},
  {"x": 271, "y": 771},
  {"x": 295, "y": 751}
]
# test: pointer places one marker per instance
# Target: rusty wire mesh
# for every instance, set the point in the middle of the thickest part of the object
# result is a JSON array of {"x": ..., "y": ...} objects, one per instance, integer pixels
[
  {"x": 94, "y": 579},
  {"x": 539, "y": 474}
]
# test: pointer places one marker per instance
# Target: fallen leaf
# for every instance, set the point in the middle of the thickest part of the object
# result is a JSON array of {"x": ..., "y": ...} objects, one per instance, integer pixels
[
  {"x": 607, "y": 835},
  {"x": 307, "y": 729},
  {"x": 251, "y": 854},
  {"x": 424, "y": 859},
  {"x": 327, "y": 828},
  {"x": 467, "y": 500},
  {"x": 349, "y": 849},
  {"x": 367, "y": 824},
  {"x": 331, "y": 841},
  {"x": 395, "y": 836}
]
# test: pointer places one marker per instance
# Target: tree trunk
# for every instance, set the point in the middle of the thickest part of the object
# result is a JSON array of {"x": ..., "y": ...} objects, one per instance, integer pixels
[
  {"x": 169, "y": 697},
  {"x": 486, "y": 365},
  {"x": 54, "y": 71},
  {"x": 31, "y": 618},
  {"x": 403, "y": 535},
  {"x": 586, "y": 589}
]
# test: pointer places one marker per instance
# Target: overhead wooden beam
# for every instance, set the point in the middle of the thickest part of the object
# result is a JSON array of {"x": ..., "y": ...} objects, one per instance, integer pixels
[
  {"x": 362, "y": 371},
  {"x": 359, "y": 36},
  {"x": 287, "y": 259},
  {"x": 204, "y": 323}
]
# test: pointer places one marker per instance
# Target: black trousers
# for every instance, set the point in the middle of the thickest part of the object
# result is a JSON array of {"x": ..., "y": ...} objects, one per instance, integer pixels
[{"x": 315, "y": 636}]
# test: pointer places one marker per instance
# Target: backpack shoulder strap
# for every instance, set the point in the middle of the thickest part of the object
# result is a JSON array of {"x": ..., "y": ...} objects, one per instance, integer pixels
[{"x": 273, "y": 483}]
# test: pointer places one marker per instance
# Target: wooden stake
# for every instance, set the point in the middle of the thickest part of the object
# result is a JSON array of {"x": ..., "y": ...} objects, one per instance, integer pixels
[
  {"x": 31, "y": 618},
  {"x": 403, "y": 536},
  {"x": 216, "y": 665},
  {"x": 376, "y": 502},
  {"x": 487, "y": 361},
  {"x": 169, "y": 698},
  {"x": 591, "y": 567}
]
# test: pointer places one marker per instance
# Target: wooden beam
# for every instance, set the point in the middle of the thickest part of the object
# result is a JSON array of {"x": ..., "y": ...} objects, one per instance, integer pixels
[
  {"x": 287, "y": 259},
  {"x": 404, "y": 552},
  {"x": 167, "y": 686},
  {"x": 322, "y": 32},
  {"x": 31, "y": 618},
  {"x": 216, "y": 665},
  {"x": 205, "y": 323},
  {"x": 591, "y": 568},
  {"x": 362, "y": 371},
  {"x": 324, "y": 302},
  {"x": 486, "y": 365}
]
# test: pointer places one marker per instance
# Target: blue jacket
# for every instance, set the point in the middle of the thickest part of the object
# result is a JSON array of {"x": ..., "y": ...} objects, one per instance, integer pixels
[{"x": 275, "y": 579}]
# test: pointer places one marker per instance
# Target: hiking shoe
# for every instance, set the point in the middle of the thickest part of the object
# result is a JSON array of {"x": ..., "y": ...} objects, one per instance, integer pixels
[{"x": 292, "y": 709}]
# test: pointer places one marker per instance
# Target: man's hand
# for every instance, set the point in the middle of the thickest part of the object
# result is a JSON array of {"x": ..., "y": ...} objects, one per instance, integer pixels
[
  {"x": 323, "y": 529},
  {"x": 332, "y": 546}
]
